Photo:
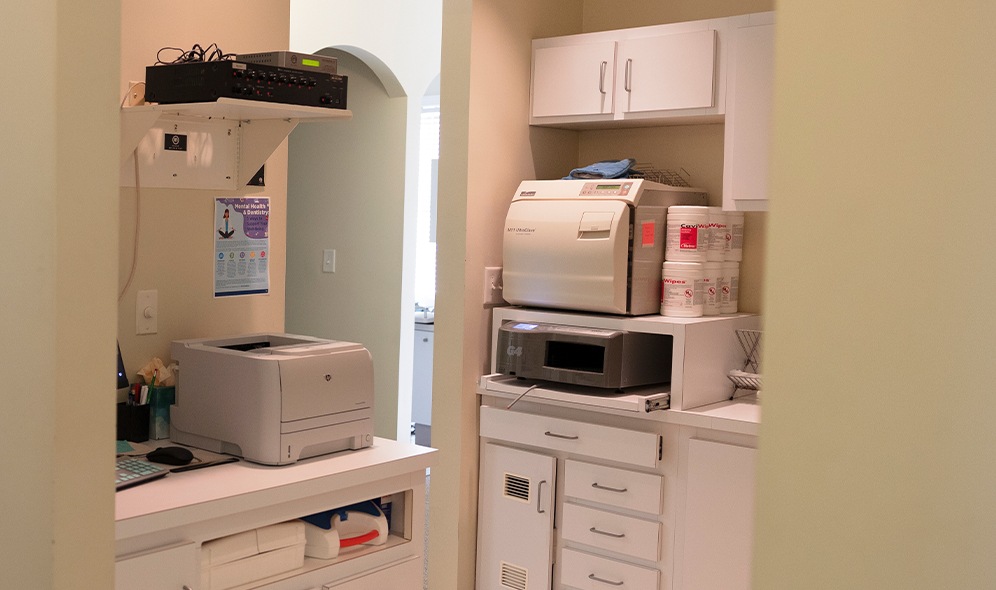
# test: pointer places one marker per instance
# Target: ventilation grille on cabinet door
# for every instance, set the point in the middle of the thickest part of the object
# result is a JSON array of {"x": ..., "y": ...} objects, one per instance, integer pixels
[
  {"x": 516, "y": 487},
  {"x": 513, "y": 576}
]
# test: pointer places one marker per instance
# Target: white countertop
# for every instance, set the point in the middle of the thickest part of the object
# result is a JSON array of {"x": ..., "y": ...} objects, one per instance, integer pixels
[
  {"x": 741, "y": 415},
  {"x": 233, "y": 487}
]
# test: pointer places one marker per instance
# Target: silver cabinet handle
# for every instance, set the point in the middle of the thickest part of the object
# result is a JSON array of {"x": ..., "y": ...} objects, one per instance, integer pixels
[
  {"x": 629, "y": 73},
  {"x": 601, "y": 77},
  {"x": 607, "y": 534},
  {"x": 598, "y": 486},
  {"x": 539, "y": 497},
  {"x": 563, "y": 436},
  {"x": 604, "y": 581}
]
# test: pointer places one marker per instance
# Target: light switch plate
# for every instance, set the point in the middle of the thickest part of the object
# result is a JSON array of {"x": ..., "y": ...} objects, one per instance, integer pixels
[
  {"x": 147, "y": 312},
  {"x": 493, "y": 286},
  {"x": 328, "y": 260}
]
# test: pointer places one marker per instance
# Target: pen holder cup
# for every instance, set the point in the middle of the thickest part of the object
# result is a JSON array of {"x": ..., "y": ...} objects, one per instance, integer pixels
[
  {"x": 133, "y": 422},
  {"x": 160, "y": 399}
]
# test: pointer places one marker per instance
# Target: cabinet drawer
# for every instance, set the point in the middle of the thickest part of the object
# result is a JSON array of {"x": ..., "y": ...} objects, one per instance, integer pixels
[
  {"x": 168, "y": 568},
  {"x": 612, "y": 532},
  {"x": 590, "y": 572},
  {"x": 617, "y": 487},
  {"x": 581, "y": 438}
]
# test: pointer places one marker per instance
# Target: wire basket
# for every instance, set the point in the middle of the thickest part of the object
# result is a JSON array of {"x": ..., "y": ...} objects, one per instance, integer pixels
[
  {"x": 663, "y": 176},
  {"x": 748, "y": 377}
]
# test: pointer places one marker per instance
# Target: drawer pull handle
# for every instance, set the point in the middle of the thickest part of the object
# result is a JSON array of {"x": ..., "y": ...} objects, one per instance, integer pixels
[
  {"x": 599, "y": 486},
  {"x": 604, "y": 581},
  {"x": 607, "y": 534},
  {"x": 539, "y": 497},
  {"x": 601, "y": 77},
  {"x": 563, "y": 436}
]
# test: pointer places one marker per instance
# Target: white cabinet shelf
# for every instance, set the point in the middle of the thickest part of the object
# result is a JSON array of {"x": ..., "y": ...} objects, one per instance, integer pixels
[
  {"x": 225, "y": 141},
  {"x": 704, "y": 350}
]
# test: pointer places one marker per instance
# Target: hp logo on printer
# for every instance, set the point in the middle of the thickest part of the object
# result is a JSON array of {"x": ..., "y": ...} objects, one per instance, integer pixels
[{"x": 328, "y": 376}]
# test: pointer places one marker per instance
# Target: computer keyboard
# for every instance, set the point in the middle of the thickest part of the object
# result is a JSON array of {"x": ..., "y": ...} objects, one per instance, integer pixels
[{"x": 132, "y": 471}]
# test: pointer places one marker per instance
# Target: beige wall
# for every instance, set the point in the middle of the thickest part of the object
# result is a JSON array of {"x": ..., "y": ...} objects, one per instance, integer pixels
[
  {"x": 876, "y": 464},
  {"x": 59, "y": 238},
  {"x": 176, "y": 228},
  {"x": 485, "y": 151}
]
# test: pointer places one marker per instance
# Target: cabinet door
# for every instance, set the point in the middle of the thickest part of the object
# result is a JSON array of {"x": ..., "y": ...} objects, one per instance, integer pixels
[
  {"x": 173, "y": 568},
  {"x": 573, "y": 79},
  {"x": 422, "y": 377},
  {"x": 748, "y": 119},
  {"x": 515, "y": 522},
  {"x": 668, "y": 72},
  {"x": 719, "y": 516}
]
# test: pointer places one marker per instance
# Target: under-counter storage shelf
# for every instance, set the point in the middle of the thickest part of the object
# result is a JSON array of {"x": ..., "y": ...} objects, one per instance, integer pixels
[
  {"x": 211, "y": 145},
  {"x": 187, "y": 510}
]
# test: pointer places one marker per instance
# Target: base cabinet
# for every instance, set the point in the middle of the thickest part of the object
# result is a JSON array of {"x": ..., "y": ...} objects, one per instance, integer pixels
[
  {"x": 162, "y": 527},
  {"x": 586, "y": 510},
  {"x": 718, "y": 527},
  {"x": 516, "y": 508}
]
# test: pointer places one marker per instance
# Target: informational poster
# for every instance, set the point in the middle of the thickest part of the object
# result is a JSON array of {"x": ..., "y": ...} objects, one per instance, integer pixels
[{"x": 241, "y": 246}]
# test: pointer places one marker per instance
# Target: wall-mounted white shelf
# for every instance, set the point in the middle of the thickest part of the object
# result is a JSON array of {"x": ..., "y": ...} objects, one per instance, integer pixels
[{"x": 227, "y": 141}]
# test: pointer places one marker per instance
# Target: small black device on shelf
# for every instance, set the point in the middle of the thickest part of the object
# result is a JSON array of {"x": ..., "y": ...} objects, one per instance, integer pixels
[{"x": 207, "y": 81}]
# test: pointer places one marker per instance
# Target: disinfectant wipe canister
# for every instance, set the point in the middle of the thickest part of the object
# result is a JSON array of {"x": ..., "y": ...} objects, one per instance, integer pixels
[
  {"x": 682, "y": 292},
  {"x": 734, "y": 236},
  {"x": 712, "y": 274},
  {"x": 717, "y": 235},
  {"x": 687, "y": 238},
  {"x": 731, "y": 287}
]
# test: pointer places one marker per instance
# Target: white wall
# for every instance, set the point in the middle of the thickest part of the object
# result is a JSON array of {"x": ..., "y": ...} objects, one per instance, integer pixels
[
  {"x": 346, "y": 192},
  {"x": 400, "y": 40},
  {"x": 876, "y": 455},
  {"x": 58, "y": 235}
]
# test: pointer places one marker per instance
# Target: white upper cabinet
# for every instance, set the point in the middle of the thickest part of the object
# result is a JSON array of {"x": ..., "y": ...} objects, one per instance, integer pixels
[
  {"x": 573, "y": 79},
  {"x": 668, "y": 72},
  {"x": 647, "y": 75},
  {"x": 747, "y": 141}
]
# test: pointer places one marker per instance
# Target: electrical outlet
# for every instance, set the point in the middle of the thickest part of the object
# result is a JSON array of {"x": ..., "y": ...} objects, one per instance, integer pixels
[
  {"x": 147, "y": 312},
  {"x": 136, "y": 93},
  {"x": 493, "y": 286},
  {"x": 328, "y": 260}
]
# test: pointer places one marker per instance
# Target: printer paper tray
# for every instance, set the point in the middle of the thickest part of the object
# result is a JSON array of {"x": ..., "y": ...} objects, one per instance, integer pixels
[{"x": 637, "y": 400}]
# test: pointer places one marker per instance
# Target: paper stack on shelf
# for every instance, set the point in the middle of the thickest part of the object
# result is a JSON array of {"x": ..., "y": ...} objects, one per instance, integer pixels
[{"x": 252, "y": 555}]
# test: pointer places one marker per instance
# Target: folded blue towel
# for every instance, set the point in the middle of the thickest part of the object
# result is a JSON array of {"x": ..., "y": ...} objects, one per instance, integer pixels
[{"x": 605, "y": 169}]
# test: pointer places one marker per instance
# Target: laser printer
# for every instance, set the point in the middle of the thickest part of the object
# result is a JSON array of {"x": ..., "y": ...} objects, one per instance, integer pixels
[
  {"x": 272, "y": 398},
  {"x": 589, "y": 245}
]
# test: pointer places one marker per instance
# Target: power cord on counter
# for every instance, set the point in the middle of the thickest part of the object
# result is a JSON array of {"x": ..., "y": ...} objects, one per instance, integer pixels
[{"x": 521, "y": 395}]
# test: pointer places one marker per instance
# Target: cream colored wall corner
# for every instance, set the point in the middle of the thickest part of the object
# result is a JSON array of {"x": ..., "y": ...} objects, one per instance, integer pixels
[
  {"x": 485, "y": 151},
  {"x": 877, "y": 443},
  {"x": 176, "y": 227},
  {"x": 59, "y": 238}
]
